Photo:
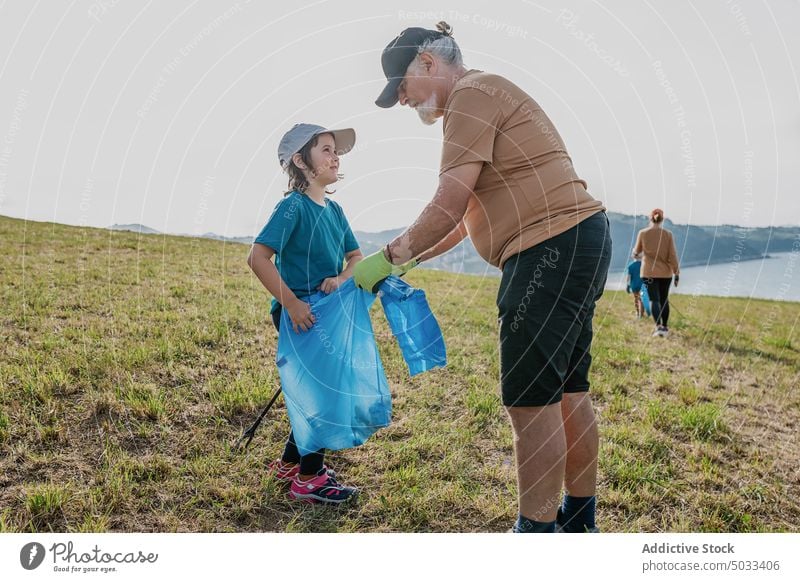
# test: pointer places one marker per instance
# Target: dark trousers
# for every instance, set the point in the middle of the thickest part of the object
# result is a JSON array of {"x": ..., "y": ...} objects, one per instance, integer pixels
[
  {"x": 658, "y": 290},
  {"x": 310, "y": 464}
]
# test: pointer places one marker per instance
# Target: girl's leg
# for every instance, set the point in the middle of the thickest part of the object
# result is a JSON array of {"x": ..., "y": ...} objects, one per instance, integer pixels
[
  {"x": 290, "y": 452},
  {"x": 311, "y": 464}
]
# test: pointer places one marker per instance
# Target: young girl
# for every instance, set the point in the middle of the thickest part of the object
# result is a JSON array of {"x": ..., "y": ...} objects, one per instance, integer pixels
[{"x": 310, "y": 239}]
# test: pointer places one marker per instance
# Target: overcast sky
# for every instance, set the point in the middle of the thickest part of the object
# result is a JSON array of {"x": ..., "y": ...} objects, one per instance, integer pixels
[{"x": 169, "y": 113}]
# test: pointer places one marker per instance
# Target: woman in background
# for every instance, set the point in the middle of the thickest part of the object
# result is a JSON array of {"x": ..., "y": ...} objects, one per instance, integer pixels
[{"x": 656, "y": 247}]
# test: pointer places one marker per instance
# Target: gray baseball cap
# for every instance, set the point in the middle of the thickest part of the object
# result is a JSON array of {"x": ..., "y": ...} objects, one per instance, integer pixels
[{"x": 302, "y": 133}]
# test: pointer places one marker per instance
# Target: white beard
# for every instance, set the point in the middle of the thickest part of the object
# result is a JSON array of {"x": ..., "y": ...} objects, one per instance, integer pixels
[{"x": 427, "y": 110}]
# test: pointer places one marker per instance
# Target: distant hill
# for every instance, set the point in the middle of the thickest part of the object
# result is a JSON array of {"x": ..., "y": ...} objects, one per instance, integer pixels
[
  {"x": 697, "y": 245},
  {"x": 140, "y": 228},
  {"x": 702, "y": 245},
  {"x": 246, "y": 240},
  {"x": 462, "y": 259}
]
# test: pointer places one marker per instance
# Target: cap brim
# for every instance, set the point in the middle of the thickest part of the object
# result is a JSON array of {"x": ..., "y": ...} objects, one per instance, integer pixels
[
  {"x": 388, "y": 96},
  {"x": 345, "y": 139}
]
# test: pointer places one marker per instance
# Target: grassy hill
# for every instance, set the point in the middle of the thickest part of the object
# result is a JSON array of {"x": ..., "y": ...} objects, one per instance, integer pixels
[{"x": 129, "y": 363}]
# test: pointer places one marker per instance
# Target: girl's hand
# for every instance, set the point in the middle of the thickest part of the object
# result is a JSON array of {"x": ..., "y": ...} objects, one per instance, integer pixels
[
  {"x": 300, "y": 314},
  {"x": 331, "y": 284}
]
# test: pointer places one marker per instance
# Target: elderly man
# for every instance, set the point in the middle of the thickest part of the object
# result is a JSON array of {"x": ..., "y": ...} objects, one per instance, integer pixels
[{"x": 506, "y": 181}]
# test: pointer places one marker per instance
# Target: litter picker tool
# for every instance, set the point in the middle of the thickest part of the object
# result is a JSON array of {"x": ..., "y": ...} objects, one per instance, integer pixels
[{"x": 247, "y": 436}]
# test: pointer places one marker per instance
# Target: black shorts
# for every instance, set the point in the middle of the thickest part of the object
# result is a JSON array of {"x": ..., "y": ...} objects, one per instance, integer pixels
[
  {"x": 546, "y": 303},
  {"x": 276, "y": 317}
]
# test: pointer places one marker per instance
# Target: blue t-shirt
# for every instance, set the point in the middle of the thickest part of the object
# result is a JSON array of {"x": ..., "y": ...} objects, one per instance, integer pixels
[
  {"x": 634, "y": 270},
  {"x": 309, "y": 240}
]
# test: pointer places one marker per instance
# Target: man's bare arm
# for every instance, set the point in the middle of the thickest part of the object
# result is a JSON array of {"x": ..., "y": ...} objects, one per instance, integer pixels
[
  {"x": 456, "y": 235},
  {"x": 441, "y": 216}
]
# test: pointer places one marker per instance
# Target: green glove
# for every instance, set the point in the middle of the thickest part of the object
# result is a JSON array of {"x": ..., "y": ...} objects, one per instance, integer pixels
[{"x": 370, "y": 272}]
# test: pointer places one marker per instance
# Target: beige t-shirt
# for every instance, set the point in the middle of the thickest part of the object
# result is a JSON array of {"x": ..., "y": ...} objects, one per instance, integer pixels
[
  {"x": 659, "y": 257},
  {"x": 527, "y": 191}
]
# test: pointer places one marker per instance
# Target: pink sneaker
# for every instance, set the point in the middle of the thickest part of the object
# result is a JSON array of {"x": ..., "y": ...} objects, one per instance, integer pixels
[
  {"x": 286, "y": 472},
  {"x": 321, "y": 489}
]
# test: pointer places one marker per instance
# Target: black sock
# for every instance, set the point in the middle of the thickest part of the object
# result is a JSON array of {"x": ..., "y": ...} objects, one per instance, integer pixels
[{"x": 577, "y": 514}]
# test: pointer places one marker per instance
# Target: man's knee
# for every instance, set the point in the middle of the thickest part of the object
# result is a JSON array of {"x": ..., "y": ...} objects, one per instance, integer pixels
[
  {"x": 576, "y": 400},
  {"x": 577, "y": 410},
  {"x": 536, "y": 424},
  {"x": 527, "y": 416}
]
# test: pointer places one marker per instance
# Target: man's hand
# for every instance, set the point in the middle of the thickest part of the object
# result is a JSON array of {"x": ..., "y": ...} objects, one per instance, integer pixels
[
  {"x": 330, "y": 284},
  {"x": 300, "y": 315},
  {"x": 677, "y": 278},
  {"x": 370, "y": 272}
]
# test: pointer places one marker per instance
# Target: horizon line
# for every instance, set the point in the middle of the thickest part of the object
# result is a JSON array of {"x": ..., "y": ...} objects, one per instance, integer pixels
[{"x": 111, "y": 226}]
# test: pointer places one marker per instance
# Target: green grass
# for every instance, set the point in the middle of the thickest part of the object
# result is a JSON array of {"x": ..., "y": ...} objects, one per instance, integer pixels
[
  {"x": 703, "y": 421},
  {"x": 129, "y": 364},
  {"x": 45, "y": 504},
  {"x": 3, "y": 427}
]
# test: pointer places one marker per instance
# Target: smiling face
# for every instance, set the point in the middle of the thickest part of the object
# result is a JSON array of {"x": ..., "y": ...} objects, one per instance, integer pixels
[
  {"x": 319, "y": 163},
  {"x": 421, "y": 89}
]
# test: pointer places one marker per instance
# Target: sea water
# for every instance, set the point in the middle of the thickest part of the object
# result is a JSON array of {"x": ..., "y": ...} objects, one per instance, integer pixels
[{"x": 774, "y": 277}]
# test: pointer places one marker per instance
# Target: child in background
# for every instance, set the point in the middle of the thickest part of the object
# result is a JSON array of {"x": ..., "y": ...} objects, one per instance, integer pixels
[
  {"x": 310, "y": 239},
  {"x": 635, "y": 285}
]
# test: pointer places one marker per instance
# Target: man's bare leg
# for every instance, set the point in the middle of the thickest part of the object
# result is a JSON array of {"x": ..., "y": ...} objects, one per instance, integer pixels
[
  {"x": 580, "y": 431},
  {"x": 539, "y": 447}
]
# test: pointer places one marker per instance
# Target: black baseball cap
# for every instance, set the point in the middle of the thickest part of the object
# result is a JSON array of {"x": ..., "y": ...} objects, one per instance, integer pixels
[{"x": 396, "y": 57}]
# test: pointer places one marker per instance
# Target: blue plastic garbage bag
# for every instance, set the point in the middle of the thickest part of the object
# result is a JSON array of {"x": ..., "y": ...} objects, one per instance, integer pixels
[
  {"x": 332, "y": 377},
  {"x": 413, "y": 325}
]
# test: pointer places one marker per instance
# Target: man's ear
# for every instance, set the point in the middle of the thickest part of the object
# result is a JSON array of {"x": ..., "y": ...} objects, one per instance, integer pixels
[
  {"x": 427, "y": 63},
  {"x": 298, "y": 161}
]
